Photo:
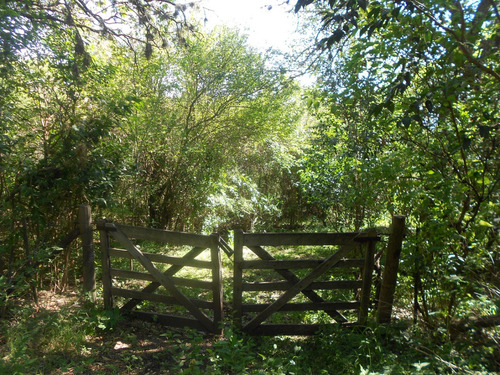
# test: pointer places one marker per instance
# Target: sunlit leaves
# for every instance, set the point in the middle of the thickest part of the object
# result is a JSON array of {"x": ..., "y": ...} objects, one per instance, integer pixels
[
  {"x": 423, "y": 73},
  {"x": 204, "y": 109}
]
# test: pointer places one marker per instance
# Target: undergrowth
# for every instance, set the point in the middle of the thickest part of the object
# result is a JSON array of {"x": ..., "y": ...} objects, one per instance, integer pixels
[{"x": 82, "y": 339}]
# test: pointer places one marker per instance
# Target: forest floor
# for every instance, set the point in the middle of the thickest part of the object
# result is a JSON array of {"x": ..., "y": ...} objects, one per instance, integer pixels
[
  {"x": 64, "y": 334},
  {"x": 130, "y": 347}
]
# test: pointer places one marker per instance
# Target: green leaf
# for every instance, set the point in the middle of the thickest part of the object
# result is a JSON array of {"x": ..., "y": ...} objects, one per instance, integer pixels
[
  {"x": 390, "y": 106},
  {"x": 485, "y": 224},
  {"x": 337, "y": 35}
]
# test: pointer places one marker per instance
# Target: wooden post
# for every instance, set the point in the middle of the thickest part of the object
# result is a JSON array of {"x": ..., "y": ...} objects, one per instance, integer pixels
[
  {"x": 364, "y": 302},
  {"x": 106, "y": 265},
  {"x": 390, "y": 275},
  {"x": 87, "y": 237},
  {"x": 217, "y": 283},
  {"x": 238, "y": 277}
]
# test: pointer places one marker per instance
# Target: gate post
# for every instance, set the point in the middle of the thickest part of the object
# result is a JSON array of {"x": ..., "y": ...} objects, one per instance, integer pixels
[
  {"x": 86, "y": 235},
  {"x": 106, "y": 265},
  {"x": 217, "y": 283},
  {"x": 390, "y": 275},
  {"x": 369, "y": 240},
  {"x": 238, "y": 277}
]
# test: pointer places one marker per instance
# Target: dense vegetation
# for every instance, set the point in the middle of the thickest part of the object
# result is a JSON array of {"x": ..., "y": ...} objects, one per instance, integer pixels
[{"x": 137, "y": 110}]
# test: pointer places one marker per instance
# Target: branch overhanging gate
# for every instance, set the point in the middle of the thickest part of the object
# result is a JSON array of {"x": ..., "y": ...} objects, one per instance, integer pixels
[{"x": 298, "y": 286}]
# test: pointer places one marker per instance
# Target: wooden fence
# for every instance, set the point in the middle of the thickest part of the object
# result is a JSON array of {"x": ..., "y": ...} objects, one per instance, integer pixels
[
  {"x": 200, "y": 309},
  {"x": 299, "y": 285},
  {"x": 251, "y": 316}
]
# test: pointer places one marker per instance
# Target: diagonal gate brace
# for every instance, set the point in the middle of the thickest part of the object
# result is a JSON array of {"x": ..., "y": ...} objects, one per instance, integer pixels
[
  {"x": 296, "y": 288},
  {"x": 163, "y": 279},
  {"x": 291, "y": 277},
  {"x": 171, "y": 271}
]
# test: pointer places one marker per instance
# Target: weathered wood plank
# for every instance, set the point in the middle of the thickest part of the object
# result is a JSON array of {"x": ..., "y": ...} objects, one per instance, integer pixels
[
  {"x": 106, "y": 265},
  {"x": 160, "y": 258},
  {"x": 170, "y": 320},
  {"x": 162, "y": 298},
  {"x": 297, "y": 288},
  {"x": 291, "y": 277},
  {"x": 237, "y": 276},
  {"x": 192, "y": 283},
  {"x": 225, "y": 247},
  {"x": 298, "y": 239},
  {"x": 370, "y": 236},
  {"x": 163, "y": 279},
  {"x": 306, "y": 306},
  {"x": 217, "y": 291},
  {"x": 127, "y": 274},
  {"x": 296, "y": 263},
  {"x": 367, "y": 281},
  {"x": 193, "y": 253},
  {"x": 165, "y": 236},
  {"x": 284, "y": 285},
  {"x": 287, "y": 329}
]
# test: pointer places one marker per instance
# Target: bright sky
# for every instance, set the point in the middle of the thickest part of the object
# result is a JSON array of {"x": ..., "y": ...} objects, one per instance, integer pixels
[{"x": 266, "y": 26}]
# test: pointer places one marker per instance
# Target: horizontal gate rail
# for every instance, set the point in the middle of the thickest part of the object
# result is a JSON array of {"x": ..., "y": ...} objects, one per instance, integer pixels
[
  {"x": 298, "y": 264},
  {"x": 159, "y": 235},
  {"x": 299, "y": 239},
  {"x": 127, "y": 274},
  {"x": 159, "y": 258},
  {"x": 154, "y": 297},
  {"x": 284, "y": 285},
  {"x": 323, "y": 306}
]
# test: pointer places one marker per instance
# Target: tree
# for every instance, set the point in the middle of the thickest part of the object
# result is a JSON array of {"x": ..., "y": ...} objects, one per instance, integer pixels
[
  {"x": 201, "y": 107},
  {"x": 425, "y": 76},
  {"x": 152, "y": 23},
  {"x": 58, "y": 145}
]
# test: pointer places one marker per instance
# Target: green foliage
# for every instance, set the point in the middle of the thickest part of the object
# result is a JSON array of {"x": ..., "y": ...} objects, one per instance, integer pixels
[
  {"x": 106, "y": 320},
  {"x": 205, "y": 135},
  {"x": 61, "y": 118},
  {"x": 77, "y": 337},
  {"x": 60, "y": 152},
  {"x": 407, "y": 111},
  {"x": 47, "y": 335},
  {"x": 201, "y": 112},
  {"x": 237, "y": 202},
  {"x": 233, "y": 354}
]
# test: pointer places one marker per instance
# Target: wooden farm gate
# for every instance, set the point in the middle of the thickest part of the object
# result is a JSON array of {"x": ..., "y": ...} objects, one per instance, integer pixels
[
  {"x": 306, "y": 288},
  {"x": 117, "y": 242},
  {"x": 301, "y": 282}
]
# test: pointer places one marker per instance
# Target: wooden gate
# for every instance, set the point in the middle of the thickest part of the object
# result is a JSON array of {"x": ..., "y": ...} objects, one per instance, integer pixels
[
  {"x": 251, "y": 316},
  {"x": 206, "y": 314}
]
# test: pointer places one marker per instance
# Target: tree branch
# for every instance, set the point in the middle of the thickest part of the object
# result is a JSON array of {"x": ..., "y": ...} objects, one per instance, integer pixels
[{"x": 461, "y": 44}]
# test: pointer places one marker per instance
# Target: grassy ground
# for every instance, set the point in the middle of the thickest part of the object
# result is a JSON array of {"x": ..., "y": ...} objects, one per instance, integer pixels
[{"x": 66, "y": 335}]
